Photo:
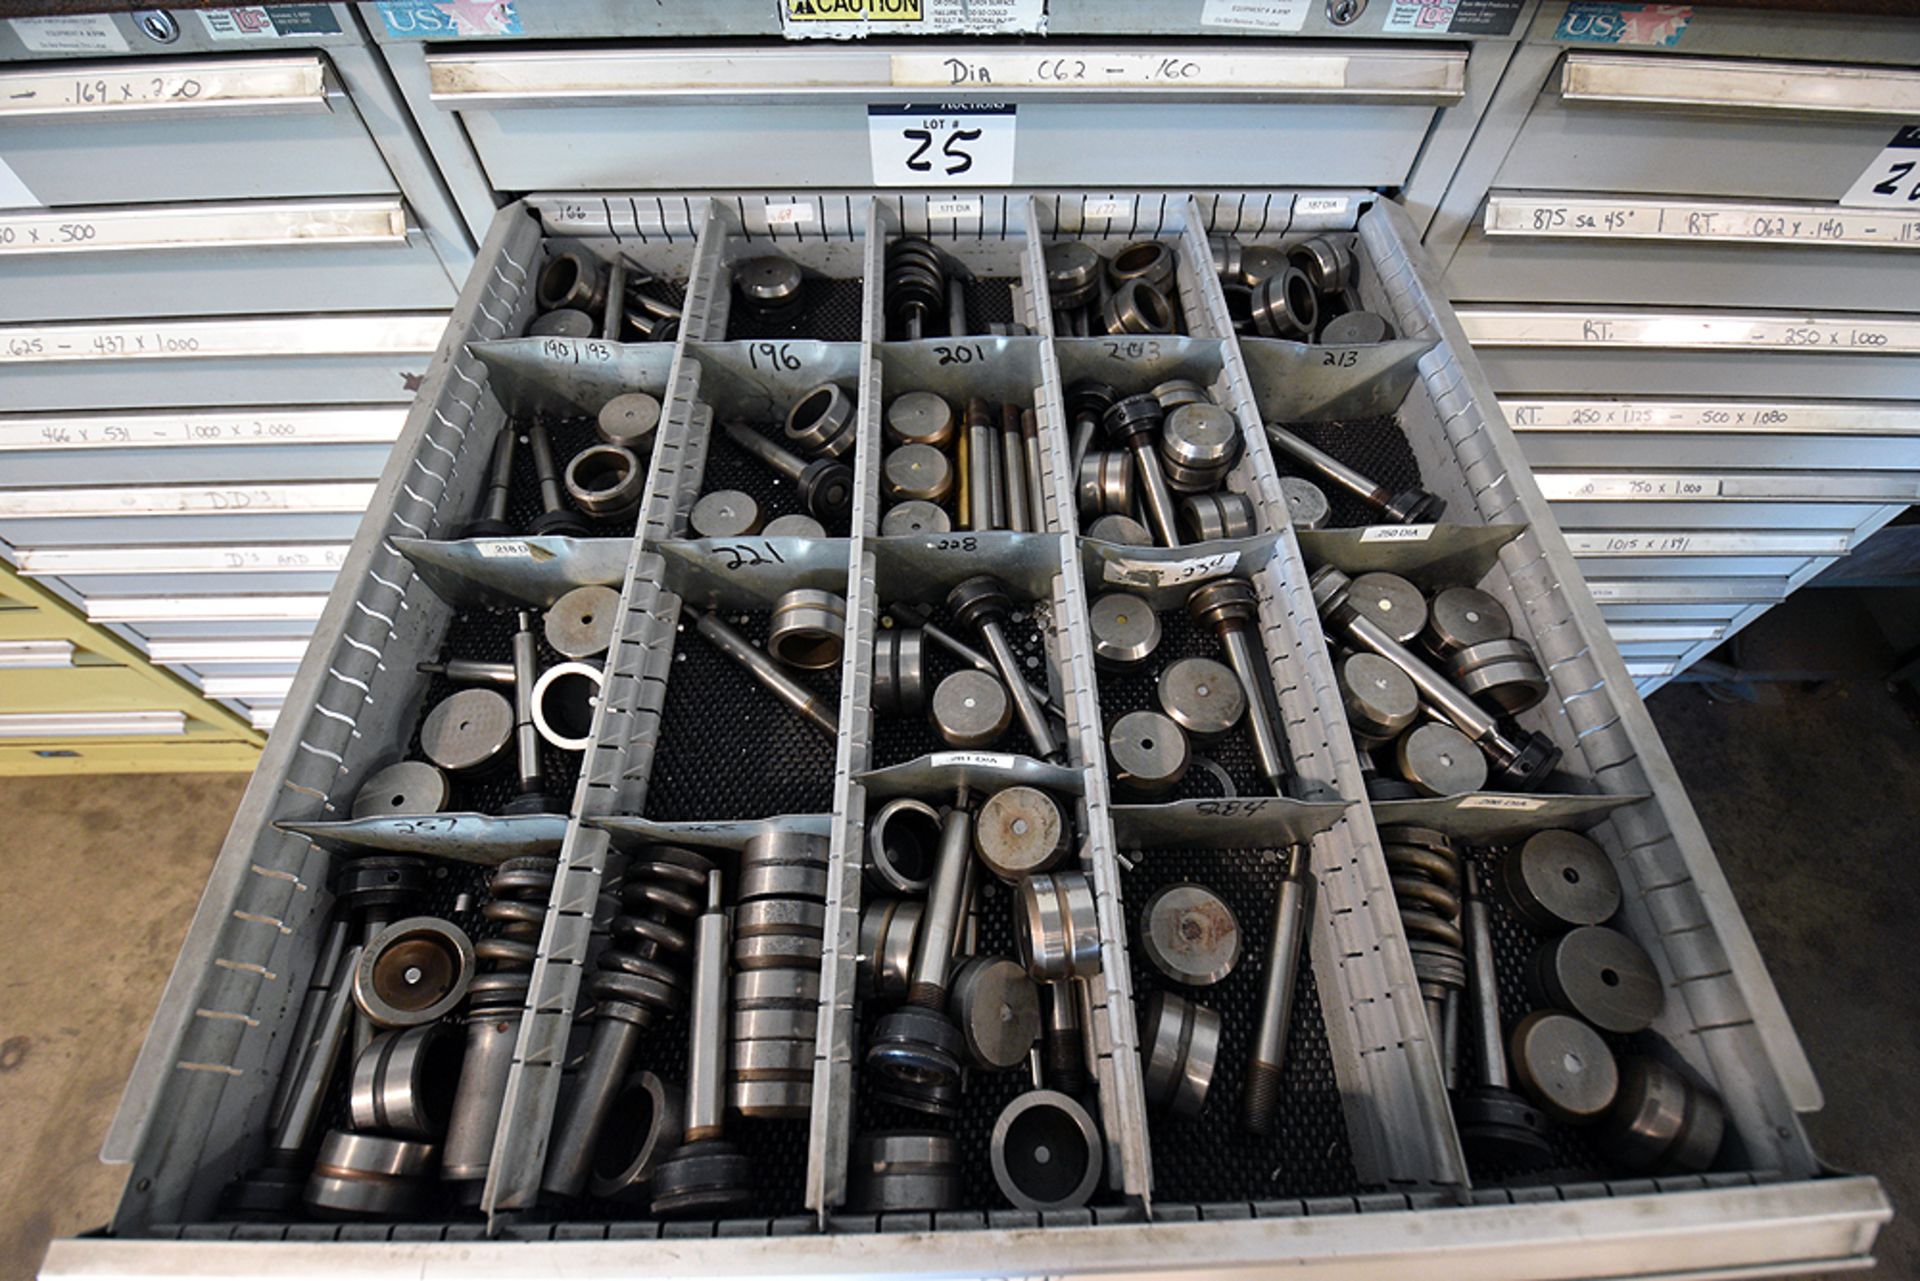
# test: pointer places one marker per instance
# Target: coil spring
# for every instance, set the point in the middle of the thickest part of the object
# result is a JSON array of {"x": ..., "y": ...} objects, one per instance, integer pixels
[
  {"x": 516, "y": 907},
  {"x": 665, "y": 887},
  {"x": 1425, "y": 869}
]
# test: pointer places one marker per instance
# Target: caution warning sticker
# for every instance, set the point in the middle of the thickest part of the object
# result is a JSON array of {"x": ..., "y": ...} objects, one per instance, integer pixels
[{"x": 855, "y": 19}]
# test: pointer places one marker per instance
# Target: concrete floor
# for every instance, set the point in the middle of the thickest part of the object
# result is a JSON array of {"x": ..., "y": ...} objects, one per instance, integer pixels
[{"x": 1803, "y": 793}]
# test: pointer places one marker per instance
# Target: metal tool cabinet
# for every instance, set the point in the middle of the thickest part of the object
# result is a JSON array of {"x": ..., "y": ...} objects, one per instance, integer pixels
[
  {"x": 1708, "y": 363},
  {"x": 210, "y": 329},
  {"x": 1403, "y": 1198}
]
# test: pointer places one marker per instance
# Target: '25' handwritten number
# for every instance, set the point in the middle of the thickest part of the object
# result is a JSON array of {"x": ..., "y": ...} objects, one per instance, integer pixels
[{"x": 959, "y": 159}]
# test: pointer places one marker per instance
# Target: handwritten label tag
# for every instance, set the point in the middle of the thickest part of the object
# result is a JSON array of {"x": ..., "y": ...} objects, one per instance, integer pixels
[
  {"x": 986, "y": 760},
  {"x": 1893, "y": 179},
  {"x": 1519, "y": 804},
  {"x": 1396, "y": 533},
  {"x": 1108, "y": 208},
  {"x": 1680, "y": 487},
  {"x": 1159, "y": 573},
  {"x": 932, "y": 145},
  {"x": 790, "y": 213},
  {"x": 496, "y": 549}
]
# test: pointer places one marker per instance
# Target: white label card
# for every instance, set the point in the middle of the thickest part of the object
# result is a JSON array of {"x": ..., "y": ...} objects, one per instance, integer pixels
[
  {"x": 1396, "y": 533},
  {"x": 938, "y": 144},
  {"x": 1892, "y": 181},
  {"x": 790, "y": 213},
  {"x": 1108, "y": 208},
  {"x": 1256, "y": 15},
  {"x": 986, "y": 760},
  {"x": 1524, "y": 804},
  {"x": 495, "y": 549},
  {"x": 76, "y": 33},
  {"x": 1161, "y": 573},
  {"x": 952, "y": 210},
  {"x": 1319, "y": 206}
]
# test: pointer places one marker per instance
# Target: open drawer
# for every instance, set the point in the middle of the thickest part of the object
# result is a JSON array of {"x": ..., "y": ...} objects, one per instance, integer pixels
[{"x": 1364, "y": 1171}]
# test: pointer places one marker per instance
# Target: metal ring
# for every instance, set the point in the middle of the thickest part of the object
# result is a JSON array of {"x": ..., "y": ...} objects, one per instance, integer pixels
[
  {"x": 571, "y": 279},
  {"x": 414, "y": 971},
  {"x": 902, "y": 1171},
  {"x": 606, "y": 481},
  {"x": 903, "y": 844},
  {"x": 1150, "y": 261},
  {"x": 899, "y": 671},
  {"x": 1047, "y": 1152},
  {"x": 808, "y": 629},
  {"x": 403, "y": 1082},
  {"x": 1285, "y": 306},
  {"x": 821, "y": 421},
  {"x": 1136, "y": 307},
  {"x": 1327, "y": 266},
  {"x": 651, "y": 1122},
  {"x": 1055, "y": 927},
  {"x": 564, "y": 699},
  {"x": 1105, "y": 482},
  {"x": 889, "y": 928},
  {"x": 1181, "y": 1046},
  {"x": 1502, "y": 672},
  {"x": 1209, "y": 517},
  {"x": 368, "y": 1174}
]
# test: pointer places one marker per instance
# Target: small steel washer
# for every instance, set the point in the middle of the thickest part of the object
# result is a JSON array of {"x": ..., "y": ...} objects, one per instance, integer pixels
[
  {"x": 1564, "y": 1066},
  {"x": 1440, "y": 760},
  {"x": 1601, "y": 975},
  {"x": 467, "y": 730},
  {"x": 404, "y": 787},
  {"x": 1307, "y": 506},
  {"x": 914, "y": 517},
  {"x": 971, "y": 709},
  {"x": 725, "y": 513},
  {"x": 580, "y": 624},
  {"x": 1125, "y": 628},
  {"x": 1559, "y": 880},
  {"x": 1150, "y": 753},
  {"x": 1392, "y": 602},
  {"x": 1202, "y": 696},
  {"x": 1190, "y": 934},
  {"x": 631, "y": 420}
]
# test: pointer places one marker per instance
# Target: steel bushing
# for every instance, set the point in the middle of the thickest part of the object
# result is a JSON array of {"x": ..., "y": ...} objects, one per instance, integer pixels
[
  {"x": 914, "y": 517},
  {"x": 915, "y": 286},
  {"x": 1307, "y": 506},
  {"x": 913, "y": 1059},
  {"x": 1226, "y": 256},
  {"x": 1438, "y": 760},
  {"x": 1150, "y": 753},
  {"x": 1181, "y": 1044},
  {"x": 916, "y": 473},
  {"x": 1201, "y": 696},
  {"x": 1018, "y": 832},
  {"x": 564, "y": 699},
  {"x": 970, "y": 709},
  {"x": 1460, "y": 617},
  {"x": 725, "y": 513},
  {"x": 1055, "y": 927},
  {"x": 1125, "y": 630},
  {"x": 1073, "y": 273},
  {"x": 1047, "y": 1152},
  {"x": 606, "y": 481},
  {"x": 1105, "y": 482},
  {"x": 889, "y": 929},
  {"x": 772, "y": 932},
  {"x": 783, "y": 864},
  {"x": 903, "y": 1171},
  {"x": 403, "y": 1082},
  {"x": 1260, "y": 262},
  {"x": 565, "y": 323},
  {"x": 1394, "y": 604},
  {"x": 920, "y": 418},
  {"x": 1328, "y": 266},
  {"x": 821, "y": 422},
  {"x": 1504, "y": 673},
  {"x": 1239, "y": 300},
  {"x": 794, "y": 525},
  {"x": 1147, "y": 260},
  {"x": 1189, "y": 934},
  {"x": 467, "y": 730},
  {"x": 997, "y": 1009},
  {"x": 1559, "y": 880},
  {"x": 769, "y": 286},
  {"x": 1661, "y": 1122},
  {"x": 648, "y": 1120},
  {"x": 1563, "y": 1066},
  {"x": 1601, "y": 975},
  {"x": 368, "y": 1175},
  {"x": 1199, "y": 444},
  {"x": 581, "y": 623},
  {"x": 1205, "y": 518},
  {"x": 630, "y": 420},
  {"x": 808, "y": 629},
  {"x": 405, "y": 787},
  {"x": 1381, "y": 700},
  {"x": 903, "y": 843},
  {"x": 899, "y": 671},
  {"x": 414, "y": 971},
  {"x": 1177, "y": 392},
  {"x": 1356, "y": 329},
  {"x": 1124, "y": 530},
  {"x": 1285, "y": 306},
  {"x": 573, "y": 280},
  {"x": 1136, "y": 307}
]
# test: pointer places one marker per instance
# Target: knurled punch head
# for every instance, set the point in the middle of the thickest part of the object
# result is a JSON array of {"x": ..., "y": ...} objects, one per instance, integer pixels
[{"x": 978, "y": 601}]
